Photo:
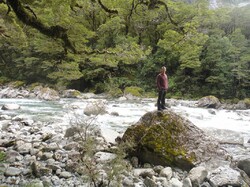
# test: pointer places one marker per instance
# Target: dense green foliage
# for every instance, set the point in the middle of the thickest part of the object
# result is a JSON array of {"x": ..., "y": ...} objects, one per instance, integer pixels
[{"x": 104, "y": 45}]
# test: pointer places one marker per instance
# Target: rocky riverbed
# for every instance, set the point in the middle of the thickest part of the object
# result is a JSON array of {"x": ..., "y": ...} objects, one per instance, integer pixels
[{"x": 43, "y": 146}]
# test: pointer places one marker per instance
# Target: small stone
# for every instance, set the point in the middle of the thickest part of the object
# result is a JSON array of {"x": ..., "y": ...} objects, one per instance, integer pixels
[
  {"x": 51, "y": 147},
  {"x": 148, "y": 172},
  {"x": 150, "y": 182},
  {"x": 175, "y": 183},
  {"x": 24, "y": 148},
  {"x": 65, "y": 174},
  {"x": 46, "y": 156},
  {"x": 127, "y": 182},
  {"x": 12, "y": 171},
  {"x": 187, "y": 182},
  {"x": 53, "y": 167},
  {"x": 158, "y": 169},
  {"x": 45, "y": 171},
  {"x": 197, "y": 175},
  {"x": 211, "y": 111},
  {"x": 72, "y": 146},
  {"x": 114, "y": 114},
  {"x": 26, "y": 171}
]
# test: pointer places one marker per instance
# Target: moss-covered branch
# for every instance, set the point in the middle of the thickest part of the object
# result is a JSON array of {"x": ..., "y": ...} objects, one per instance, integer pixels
[
  {"x": 107, "y": 9},
  {"x": 31, "y": 20}
]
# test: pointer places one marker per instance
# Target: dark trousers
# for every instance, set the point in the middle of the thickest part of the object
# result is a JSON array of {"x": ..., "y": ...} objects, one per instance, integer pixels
[{"x": 161, "y": 99}]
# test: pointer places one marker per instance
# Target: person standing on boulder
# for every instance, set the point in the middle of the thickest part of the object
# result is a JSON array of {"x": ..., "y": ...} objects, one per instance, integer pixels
[{"x": 162, "y": 85}]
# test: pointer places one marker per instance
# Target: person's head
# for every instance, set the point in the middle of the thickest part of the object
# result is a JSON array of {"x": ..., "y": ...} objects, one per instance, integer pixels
[{"x": 163, "y": 69}]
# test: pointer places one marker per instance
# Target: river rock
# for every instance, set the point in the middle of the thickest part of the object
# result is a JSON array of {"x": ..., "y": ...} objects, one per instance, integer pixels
[
  {"x": 104, "y": 157},
  {"x": 244, "y": 165},
  {"x": 167, "y": 172},
  {"x": 174, "y": 182},
  {"x": 23, "y": 148},
  {"x": 167, "y": 139},
  {"x": 12, "y": 171},
  {"x": 144, "y": 172},
  {"x": 187, "y": 182},
  {"x": 71, "y": 93},
  {"x": 95, "y": 108},
  {"x": 10, "y": 107},
  {"x": 65, "y": 174},
  {"x": 197, "y": 175},
  {"x": 226, "y": 176},
  {"x": 209, "y": 102},
  {"x": 12, "y": 156},
  {"x": 46, "y": 93},
  {"x": 150, "y": 182}
]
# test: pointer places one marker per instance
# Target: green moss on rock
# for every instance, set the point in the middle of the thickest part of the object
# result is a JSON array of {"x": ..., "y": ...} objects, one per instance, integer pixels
[
  {"x": 165, "y": 138},
  {"x": 133, "y": 90},
  {"x": 247, "y": 102},
  {"x": 115, "y": 92}
]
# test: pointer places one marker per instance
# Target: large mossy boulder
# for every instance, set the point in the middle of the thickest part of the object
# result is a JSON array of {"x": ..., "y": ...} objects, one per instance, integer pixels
[
  {"x": 209, "y": 102},
  {"x": 46, "y": 93},
  {"x": 167, "y": 139}
]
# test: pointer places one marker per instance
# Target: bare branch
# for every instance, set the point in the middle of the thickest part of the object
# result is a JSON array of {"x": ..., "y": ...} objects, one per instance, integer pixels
[
  {"x": 2, "y": 32},
  {"x": 28, "y": 8}
]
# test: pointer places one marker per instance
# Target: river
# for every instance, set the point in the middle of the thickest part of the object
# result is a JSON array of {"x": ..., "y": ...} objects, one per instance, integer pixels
[{"x": 226, "y": 125}]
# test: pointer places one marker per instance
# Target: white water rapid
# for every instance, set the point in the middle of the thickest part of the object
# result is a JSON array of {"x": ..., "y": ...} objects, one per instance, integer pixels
[{"x": 226, "y": 125}]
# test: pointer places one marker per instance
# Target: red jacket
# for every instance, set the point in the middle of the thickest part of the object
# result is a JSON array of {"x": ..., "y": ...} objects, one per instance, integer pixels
[{"x": 162, "y": 81}]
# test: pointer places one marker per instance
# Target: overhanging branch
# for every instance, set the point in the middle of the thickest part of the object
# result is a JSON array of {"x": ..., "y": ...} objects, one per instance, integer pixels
[
  {"x": 107, "y": 9},
  {"x": 53, "y": 31}
]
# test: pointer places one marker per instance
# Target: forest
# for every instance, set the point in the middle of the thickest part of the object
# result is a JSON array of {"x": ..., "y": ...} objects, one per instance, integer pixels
[{"x": 110, "y": 45}]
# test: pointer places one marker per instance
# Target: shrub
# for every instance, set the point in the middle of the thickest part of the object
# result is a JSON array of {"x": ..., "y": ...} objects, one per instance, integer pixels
[
  {"x": 85, "y": 131},
  {"x": 3, "y": 80},
  {"x": 2, "y": 156},
  {"x": 34, "y": 85},
  {"x": 99, "y": 88},
  {"x": 2, "y": 160},
  {"x": 17, "y": 84}
]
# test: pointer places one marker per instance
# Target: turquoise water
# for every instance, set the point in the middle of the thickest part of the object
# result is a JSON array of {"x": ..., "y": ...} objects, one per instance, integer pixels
[{"x": 35, "y": 109}]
